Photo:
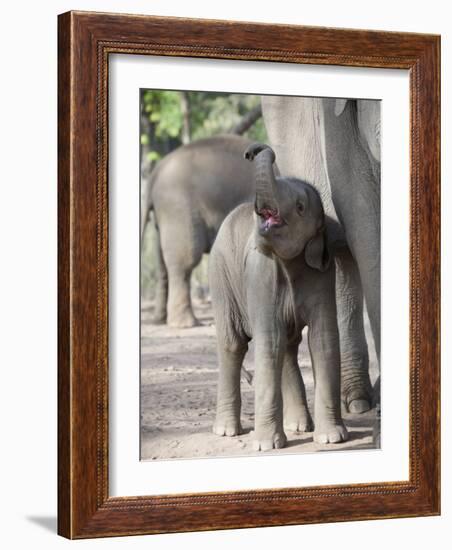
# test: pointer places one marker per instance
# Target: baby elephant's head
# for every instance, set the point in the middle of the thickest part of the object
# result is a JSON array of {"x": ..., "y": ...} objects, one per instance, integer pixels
[{"x": 289, "y": 212}]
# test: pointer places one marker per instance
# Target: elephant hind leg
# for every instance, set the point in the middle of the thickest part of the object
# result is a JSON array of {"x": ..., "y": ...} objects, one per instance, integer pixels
[
  {"x": 180, "y": 311},
  {"x": 161, "y": 293},
  {"x": 183, "y": 244}
]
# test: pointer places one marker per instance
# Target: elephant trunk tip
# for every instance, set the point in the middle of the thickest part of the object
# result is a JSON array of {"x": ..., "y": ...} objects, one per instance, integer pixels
[{"x": 254, "y": 149}]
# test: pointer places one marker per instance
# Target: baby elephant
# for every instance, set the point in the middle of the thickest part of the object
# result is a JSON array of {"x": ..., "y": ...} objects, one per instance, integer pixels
[{"x": 269, "y": 278}]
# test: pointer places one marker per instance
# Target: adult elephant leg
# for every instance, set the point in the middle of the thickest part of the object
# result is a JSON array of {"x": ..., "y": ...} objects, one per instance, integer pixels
[
  {"x": 369, "y": 271},
  {"x": 180, "y": 312},
  {"x": 371, "y": 286},
  {"x": 295, "y": 408},
  {"x": 161, "y": 290},
  {"x": 364, "y": 242},
  {"x": 182, "y": 248},
  {"x": 354, "y": 177},
  {"x": 356, "y": 387}
]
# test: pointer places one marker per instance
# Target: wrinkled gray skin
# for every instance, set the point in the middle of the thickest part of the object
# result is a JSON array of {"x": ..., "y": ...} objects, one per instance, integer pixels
[
  {"x": 190, "y": 192},
  {"x": 335, "y": 145},
  {"x": 269, "y": 277}
]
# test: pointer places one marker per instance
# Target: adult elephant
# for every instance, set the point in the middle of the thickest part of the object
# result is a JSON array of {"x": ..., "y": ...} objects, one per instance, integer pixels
[
  {"x": 190, "y": 192},
  {"x": 335, "y": 145}
]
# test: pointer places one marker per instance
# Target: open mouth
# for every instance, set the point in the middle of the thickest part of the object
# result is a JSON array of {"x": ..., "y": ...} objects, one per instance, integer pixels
[{"x": 270, "y": 219}]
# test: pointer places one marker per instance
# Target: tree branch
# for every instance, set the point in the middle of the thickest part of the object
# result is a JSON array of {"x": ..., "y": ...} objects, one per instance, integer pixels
[{"x": 247, "y": 121}]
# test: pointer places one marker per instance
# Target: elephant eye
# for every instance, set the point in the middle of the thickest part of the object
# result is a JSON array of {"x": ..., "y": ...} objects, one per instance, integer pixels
[{"x": 300, "y": 207}]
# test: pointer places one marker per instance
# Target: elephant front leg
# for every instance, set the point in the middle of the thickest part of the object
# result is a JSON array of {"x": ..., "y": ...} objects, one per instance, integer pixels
[
  {"x": 295, "y": 408},
  {"x": 324, "y": 348},
  {"x": 268, "y": 430},
  {"x": 227, "y": 421},
  {"x": 356, "y": 386}
]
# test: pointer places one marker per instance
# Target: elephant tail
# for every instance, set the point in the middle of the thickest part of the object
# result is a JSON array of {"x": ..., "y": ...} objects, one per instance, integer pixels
[{"x": 147, "y": 205}]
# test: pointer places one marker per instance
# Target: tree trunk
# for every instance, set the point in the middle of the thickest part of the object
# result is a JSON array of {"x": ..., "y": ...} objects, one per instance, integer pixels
[{"x": 185, "y": 107}]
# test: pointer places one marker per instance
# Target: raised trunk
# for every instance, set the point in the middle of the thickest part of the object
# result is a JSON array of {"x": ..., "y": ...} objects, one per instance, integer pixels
[{"x": 266, "y": 185}]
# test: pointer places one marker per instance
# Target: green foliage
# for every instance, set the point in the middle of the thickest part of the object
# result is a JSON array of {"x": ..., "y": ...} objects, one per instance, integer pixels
[
  {"x": 219, "y": 113},
  {"x": 153, "y": 156},
  {"x": 257, "y": 132},
  {"x": 209, "y": 113},
  {"x": 164, "y": 111}
]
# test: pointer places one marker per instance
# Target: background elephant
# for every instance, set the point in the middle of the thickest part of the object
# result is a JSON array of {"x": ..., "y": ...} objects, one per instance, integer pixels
[
  {"x": 270, "y": 276},
  {"x": 190, "y": 193},
  {"x": 335, "y": 145}
]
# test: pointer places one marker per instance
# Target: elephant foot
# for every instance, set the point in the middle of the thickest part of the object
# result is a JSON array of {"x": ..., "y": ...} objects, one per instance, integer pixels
[
  {"x": 187, "y": 320},
  {"x": 301, "y": 423},
  {"x": 266, "y": 442},
  {"x": 359, "y": 406},
  {"x": 227, "y": 426},
  {"x": 357, "y": 393},
  {"x": 325, "y": 433},
  {"x": 357, "y": 401}
]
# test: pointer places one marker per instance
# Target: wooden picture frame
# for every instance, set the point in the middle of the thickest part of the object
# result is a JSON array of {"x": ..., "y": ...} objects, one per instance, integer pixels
[{"x": 85, "y": 42}]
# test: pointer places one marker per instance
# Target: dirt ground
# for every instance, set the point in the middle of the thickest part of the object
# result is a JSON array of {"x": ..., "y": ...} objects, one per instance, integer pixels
[{"x": 178, "y": 396}]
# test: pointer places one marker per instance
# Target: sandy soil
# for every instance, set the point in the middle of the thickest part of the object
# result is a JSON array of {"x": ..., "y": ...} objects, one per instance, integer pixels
[{"x": 178, "y": 396}]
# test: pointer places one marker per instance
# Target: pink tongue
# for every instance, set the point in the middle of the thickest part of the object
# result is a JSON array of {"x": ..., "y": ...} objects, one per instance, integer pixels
[{"x": 271, "y": 220}]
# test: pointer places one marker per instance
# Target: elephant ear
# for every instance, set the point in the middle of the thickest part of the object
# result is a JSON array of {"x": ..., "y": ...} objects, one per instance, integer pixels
[
  {"x": 316, "y": 252},
  {"x": 340, "y": 106}
]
